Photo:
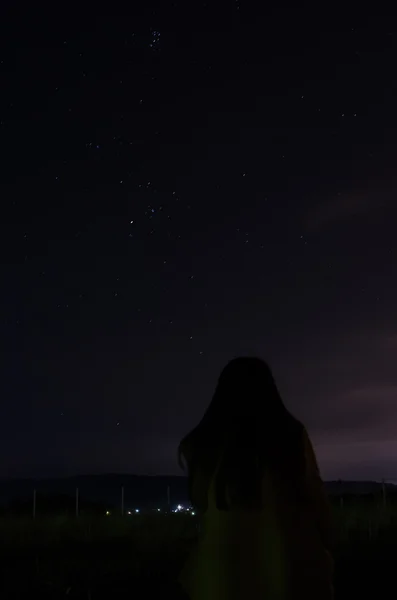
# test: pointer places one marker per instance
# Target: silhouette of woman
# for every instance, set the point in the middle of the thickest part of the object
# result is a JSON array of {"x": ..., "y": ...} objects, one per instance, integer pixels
[{"x": 266, "y": 529}]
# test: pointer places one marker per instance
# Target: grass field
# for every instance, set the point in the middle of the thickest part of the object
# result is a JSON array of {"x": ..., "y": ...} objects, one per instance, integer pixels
[{"x": 139, "y": 556}]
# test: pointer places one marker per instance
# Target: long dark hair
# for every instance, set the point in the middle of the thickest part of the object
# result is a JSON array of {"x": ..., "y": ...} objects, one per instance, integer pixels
[{"x": 246, "y": 418}]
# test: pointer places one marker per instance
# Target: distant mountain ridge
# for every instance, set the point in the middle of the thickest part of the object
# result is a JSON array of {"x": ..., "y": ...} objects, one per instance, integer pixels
[{"x": 141, "y": 490}]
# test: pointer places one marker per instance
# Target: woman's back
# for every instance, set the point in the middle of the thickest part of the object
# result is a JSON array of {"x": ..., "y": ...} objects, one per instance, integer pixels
[
  {"x": 232, "y": 559},
  {"x": 275, "y": 550}
]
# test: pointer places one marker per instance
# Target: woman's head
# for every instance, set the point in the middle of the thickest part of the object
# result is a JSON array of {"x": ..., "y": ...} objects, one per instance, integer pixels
[
  {"x": 246, "y": 398},
  {"x": 245, "y": 389},
  {"x": 248, "y": 414}
]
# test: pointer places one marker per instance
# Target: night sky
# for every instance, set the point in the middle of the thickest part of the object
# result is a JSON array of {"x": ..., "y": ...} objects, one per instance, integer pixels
[{"x": 182, "y": 184}]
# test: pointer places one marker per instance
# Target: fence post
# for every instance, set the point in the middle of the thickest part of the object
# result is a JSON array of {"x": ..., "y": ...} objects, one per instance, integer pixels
[
  {"x": 77, "y": 502},
  {"x": 34, "y": 504},
  {"x": 122, "y": 501},
  {"x": 168, "y": 498},
  {"x": 341, "y": 501}
]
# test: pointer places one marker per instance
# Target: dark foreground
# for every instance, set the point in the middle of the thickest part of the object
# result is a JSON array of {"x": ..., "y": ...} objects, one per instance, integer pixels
[{"x": 140, "y": 556}]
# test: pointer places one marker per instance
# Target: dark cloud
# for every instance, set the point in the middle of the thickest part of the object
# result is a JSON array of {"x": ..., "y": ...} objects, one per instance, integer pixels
[
  {"x": 369, "y": 198},
  {"x": 339, "y": 209}
]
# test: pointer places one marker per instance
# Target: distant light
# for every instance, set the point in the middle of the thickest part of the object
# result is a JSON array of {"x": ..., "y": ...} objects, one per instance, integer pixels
[
  {"x": 158, "y": 510},
  {"x": 128, "y": 512},
  {"x": 107, "y": 513},
  {"x": 193, "y": 513},
  {"x": 137, "y": 510},
  {"x": 179, "y": 507}
]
